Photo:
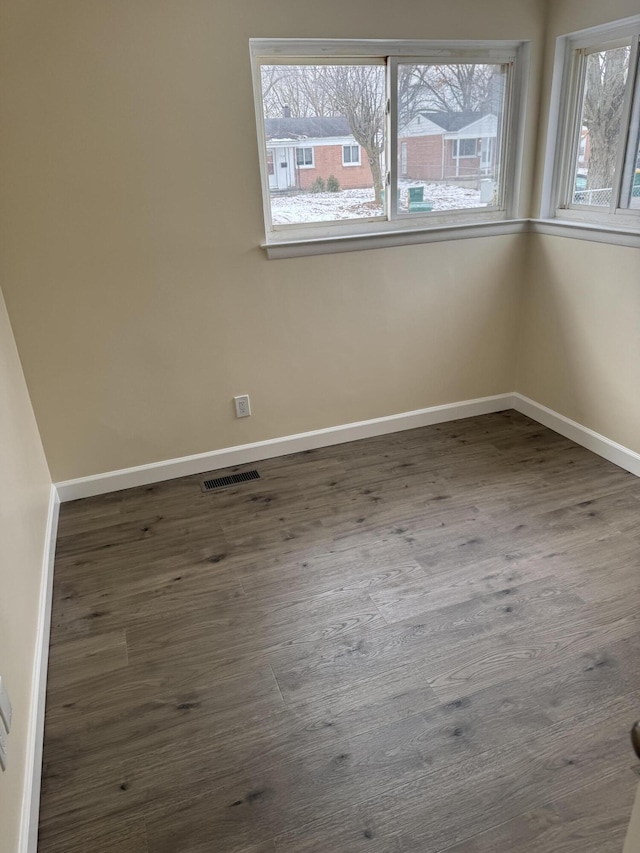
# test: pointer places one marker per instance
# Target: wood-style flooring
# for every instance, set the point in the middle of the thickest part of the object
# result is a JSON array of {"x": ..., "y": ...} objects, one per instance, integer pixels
[{"x": 422, "y": 642}]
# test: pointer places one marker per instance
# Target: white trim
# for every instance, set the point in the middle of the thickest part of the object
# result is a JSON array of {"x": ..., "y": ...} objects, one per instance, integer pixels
[
  {"x": 620, "y": 455},
  {"x": 480, "y": 50},
  {"x": 586, "y": 231},
  {"x": 609, "y": 32},
  {"x": 550, "y": 175},
  {"x": 399, "y": 237},
  {"x": 577, "y": 230},
  {"x": 142, "y": 475},
  {"x": 31, "y": 798},
  {"x": 311, "y": 142},
  {"x": 155, "y": 472}
]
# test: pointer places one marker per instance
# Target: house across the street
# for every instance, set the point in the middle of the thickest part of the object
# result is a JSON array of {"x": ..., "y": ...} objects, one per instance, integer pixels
[
  {"x": 433, "y": 146},
  {"x": 301, "y": 150},
  {"x": 438, "y": 146}
]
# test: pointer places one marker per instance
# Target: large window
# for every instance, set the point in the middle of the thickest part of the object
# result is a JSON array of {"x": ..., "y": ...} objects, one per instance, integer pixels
[
  {"x": 596, "y": 169},
  {"x": 433, "y": 134}
]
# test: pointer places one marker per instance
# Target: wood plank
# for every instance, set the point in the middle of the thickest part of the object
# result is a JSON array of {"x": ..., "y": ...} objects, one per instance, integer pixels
[
  {"x": 218, "y": 631},
  {"x": 73, "y": 661},
  {"x": 576, "y": 823},
  {"x": 138, "y": 700},
  {"x": 112, "y": 835},
  {"x": 469, "y": 797},
  {"x": 482, "y": 640}
]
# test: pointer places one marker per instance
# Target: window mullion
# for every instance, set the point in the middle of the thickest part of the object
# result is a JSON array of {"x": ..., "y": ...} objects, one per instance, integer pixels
[
  {"x": 573, "y": 124},
  {"x": 392, "y": 134},
  {"x": 507, "y": 133},
  {"x": 616, "y": 190},
  {"x": 627, "y": 165}
]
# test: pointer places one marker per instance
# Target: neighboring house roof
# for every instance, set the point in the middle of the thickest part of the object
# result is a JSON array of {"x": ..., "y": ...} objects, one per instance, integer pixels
[
  {"x": 485, "y": 126},
  {"x": 316, "y": 127},
  {"x": 453, "y": 121},
  {"x": 435, "y": 123},
  {"x": 420, "y": 125}
]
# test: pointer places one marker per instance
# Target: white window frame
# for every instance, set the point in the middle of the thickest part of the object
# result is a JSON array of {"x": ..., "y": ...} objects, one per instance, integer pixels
[
  {"x": 311, "y": 165},
  {"x": 563, "y": 138},
  {"x": 357, "y": 162},
  {"x": 395, "y": 227}
]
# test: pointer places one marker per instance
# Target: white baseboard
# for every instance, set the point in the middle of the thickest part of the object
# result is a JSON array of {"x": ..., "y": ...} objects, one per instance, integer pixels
[
  {"x": 31, "y": 800},
  {"x": 143, "y": 475},
  {"x": 600, "y": 444},
  {"x": 155, "y": 472}
]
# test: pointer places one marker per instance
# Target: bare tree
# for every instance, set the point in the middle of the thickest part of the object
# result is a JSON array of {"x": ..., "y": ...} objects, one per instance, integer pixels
[
  {"x": 300, "y": 88},
  {"x": 281, "y": 89},
  {"x": 358, "y": 92},
  {"x": 448, "y": 88},
  {"x": 411, "y": 92},
  {"x": 602, "y": 114}
]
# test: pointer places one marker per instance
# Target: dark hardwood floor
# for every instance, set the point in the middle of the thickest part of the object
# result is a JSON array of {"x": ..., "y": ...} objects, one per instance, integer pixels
[{"x": 422, "y": 642}]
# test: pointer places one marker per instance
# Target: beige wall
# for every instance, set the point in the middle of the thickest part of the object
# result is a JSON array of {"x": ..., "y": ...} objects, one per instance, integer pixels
[
  {"x": 580, "y": 338},
  {"x": 24, "y": 500},
  {"x": 132, "y": 216}
]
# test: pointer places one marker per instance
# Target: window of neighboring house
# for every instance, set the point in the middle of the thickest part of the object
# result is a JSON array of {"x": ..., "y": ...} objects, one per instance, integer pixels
[
  {"x": 403, "y": 158},
  {"x": 596, "y": 165},
  {"x": 350, "y": 155},
  {"x": 328, "y": 92},
  {"x": 304, "y": 158},
  {"x": 465, "y": 147},
  {"x": 582, "y": 149}
]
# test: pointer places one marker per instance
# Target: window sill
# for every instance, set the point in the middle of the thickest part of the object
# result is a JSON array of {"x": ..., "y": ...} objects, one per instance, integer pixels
[
  {"x": 586, "y": 231},
  {"x": 299, "y": 248}
]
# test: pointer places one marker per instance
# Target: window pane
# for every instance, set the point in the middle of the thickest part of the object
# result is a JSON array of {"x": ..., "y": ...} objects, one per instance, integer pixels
[
  {"x": 600, "y": 126},
  {"x": 304, "y": 156},
  {"x": 351, "y": 155},
  {"x": 334, "y": 111},
  {"x": 449, "y": 129}
]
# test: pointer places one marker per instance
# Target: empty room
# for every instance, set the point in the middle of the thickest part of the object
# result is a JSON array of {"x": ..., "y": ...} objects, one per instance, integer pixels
[{"x": 319, "y": 426}]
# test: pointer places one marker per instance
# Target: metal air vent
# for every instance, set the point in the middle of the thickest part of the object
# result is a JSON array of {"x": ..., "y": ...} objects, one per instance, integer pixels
[{"x": 230, "y": 480}]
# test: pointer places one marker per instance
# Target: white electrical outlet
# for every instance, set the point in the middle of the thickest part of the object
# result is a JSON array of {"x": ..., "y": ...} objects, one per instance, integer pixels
[
  {"x": 5, "y": 706},
  {"x": 243, "y": 406},
  {"x": 3, "y": 752}
]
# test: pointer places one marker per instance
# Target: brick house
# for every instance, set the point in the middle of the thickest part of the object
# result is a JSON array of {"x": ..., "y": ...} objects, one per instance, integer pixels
[
  {"x": 437, "y": 146},
  {"x": 300, "y": 150}
]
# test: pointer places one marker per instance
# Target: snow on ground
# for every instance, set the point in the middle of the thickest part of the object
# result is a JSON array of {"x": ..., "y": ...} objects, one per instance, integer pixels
[{"x": 359, "y": 204}]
